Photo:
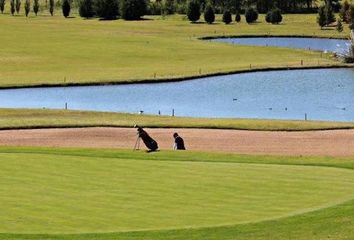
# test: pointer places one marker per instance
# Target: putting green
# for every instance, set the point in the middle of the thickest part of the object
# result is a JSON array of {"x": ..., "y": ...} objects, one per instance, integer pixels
[{"x": 45, "y": 193}]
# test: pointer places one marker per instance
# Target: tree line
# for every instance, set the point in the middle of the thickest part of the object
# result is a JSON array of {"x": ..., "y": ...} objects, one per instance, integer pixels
[
  {"x": 251, "y": 14},
  {"x": 105, "y": 9},
  {"x": 326, "y": 15}
]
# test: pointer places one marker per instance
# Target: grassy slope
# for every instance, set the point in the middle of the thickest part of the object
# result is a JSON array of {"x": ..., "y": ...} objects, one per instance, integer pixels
[
  {"x": 55, "y": 50},
  {"x": 24, "y": 118},
  {"x": 333, "y": 223}
]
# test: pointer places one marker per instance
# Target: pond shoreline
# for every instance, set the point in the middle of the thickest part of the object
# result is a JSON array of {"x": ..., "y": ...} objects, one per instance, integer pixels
[
  {"x": 268, "y": 36},
  {"x": 176, "y": 79}
]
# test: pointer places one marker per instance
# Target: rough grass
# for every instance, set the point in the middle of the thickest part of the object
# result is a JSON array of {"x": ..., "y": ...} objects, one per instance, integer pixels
[
  {"x": 81, "y": 190},
  {"x": 45, "y": 118},
  {"x": 55, "y": 50}
]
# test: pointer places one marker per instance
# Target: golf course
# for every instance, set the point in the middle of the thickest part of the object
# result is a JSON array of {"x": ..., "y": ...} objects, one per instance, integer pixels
[
  {"x": 69, "y": 168},
  {"x": 117, "y": 194}
]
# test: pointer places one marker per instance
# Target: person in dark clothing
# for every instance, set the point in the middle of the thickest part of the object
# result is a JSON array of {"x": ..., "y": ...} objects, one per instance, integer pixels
[
  {"x": 149, "y": 142},
  {"x": 179, "y": 143}
]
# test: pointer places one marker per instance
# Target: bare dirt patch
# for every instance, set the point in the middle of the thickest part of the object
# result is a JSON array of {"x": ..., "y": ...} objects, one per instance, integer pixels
[{"x": 322, "y": 143}]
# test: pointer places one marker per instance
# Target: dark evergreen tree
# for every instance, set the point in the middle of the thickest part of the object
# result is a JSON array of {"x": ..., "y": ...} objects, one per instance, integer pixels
[
  {"x": 36, "y": 6},
  {"x": 86, "y": 8},
  {"x": 27, "y": 7},
  {"x": 12, "y": 7},
  {"x": 251, "y": 15},
  {"x": 209, "y": 15},
  {"x": 66, "y": 8},
  {"x": 107, "y": 9},
  {"x": 321, "y": 18},
  {"x": 18, "y": 6},
  {"x": 2, "y": 6},
  {"x": 226, "y": 17},
  {"x": 51, "y": 7},
  {"x": 238, "y": 17},
  {"x": 193, "y": 10},
  {"x": 132, "y": 9},
  {"x": 330, "y": 18}
]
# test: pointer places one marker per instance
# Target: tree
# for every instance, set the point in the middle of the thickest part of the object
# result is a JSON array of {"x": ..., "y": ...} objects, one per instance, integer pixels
[
  {"x": 339, "y": 26},
  {"x": 51, "y": 7},
  {"x": 35, "y": 7},
  {"x": 132, "y": 9},
  {"x": 27, "y": 7},
  {"x": 66, "y": 8},
  {"x": 12, "y": 7},
  {"x": 251, "y": 15},
  {"x": 107, "y": 9},
  {"x": 238, "y": 17},
  {"x": 268, "y": 17},
  {"x": 2, "y": 6},
  {"x": 276, "y": 16},
  {"x": 193, "y": 10},
  {"x": 209, "y": 15},
  {"x": 330, "y": 18},
  {"x": 168, "y": 7},
  {"x": 344, "y": 11},
  {"x": 86, "y": 8},
  {"x": 351, "y": 17},
  {"x": 226, "y": 17},
  {"x": 18, "y": 6},
  {"x": 321, "y": 18}
]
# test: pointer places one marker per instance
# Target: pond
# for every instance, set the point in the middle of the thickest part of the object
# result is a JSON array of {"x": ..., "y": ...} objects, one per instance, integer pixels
[
  {"x": 339, "y": 46},
  {"x": 323, "y": 94}
]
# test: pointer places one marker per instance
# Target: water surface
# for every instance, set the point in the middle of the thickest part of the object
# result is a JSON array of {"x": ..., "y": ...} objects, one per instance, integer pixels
[
  {"x": 323, "y": 94},
  {"x": 320, "y": 44}
]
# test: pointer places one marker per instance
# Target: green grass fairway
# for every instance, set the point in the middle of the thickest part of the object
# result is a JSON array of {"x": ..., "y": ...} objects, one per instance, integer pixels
[
  {"x": 126, "y": 195},
  {"x": 38, "y": 118},
  {"x": 55, "y": 50}
]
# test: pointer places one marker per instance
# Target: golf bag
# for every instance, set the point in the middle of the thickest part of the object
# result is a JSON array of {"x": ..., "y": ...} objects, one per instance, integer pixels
[{"x": 149, "y": 142}]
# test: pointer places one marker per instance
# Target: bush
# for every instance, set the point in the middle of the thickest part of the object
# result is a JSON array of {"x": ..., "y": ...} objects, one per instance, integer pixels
[
  {"x": 86, "y": 8},
  {"x": 132, "y": 9},
  {"x": 2, "y": 6},
  {"x": 209, "y": 15},
  {"x": 66, "y": 8},
  {"x": 36, "y": 6},
  {"x": 27, "y": 7},
  {"x": 107, "y": 9},
  {"x": 238, "y": 17},
  {"x": 193, "y": 10},
  {"x": 226, "y": 17},
  {"x": 51, "y": 7},
  {"x": 251, "y": 15}
]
